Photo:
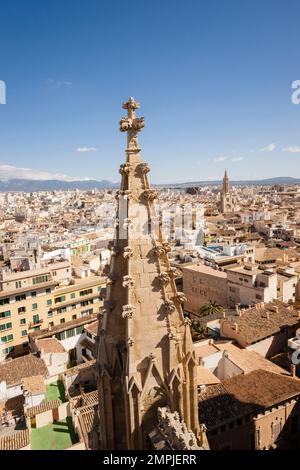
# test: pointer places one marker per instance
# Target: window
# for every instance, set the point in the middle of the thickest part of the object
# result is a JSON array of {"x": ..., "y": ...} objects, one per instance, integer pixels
[
  {"x": 51, "y": 323},
  {"x": 84, "y": 313},
  {"x": 36, "y": 319},
  {"x": 33, "y": 294},
  {"x": 7, "y": 339},
  {"x": 259, "y": 297},
  {"x": 71, "y": 333},
  {"x": 61, "y": 310},
  {"x": 20, "y": 297},
  {"x": 60, "y": 299},
  {"x": 4, "y": 301},
  {"x": 34, "y": 306},
  {"x": 21, "y": 310},
  {"x": 8, "y": 350},
  {"x": 73, "y": 295},
  {"x": 86, "y": 292},
  {"x": 49, "y": 302},
  {"x": 6, "y": 326},
  {"x": 48, "y": 291},
  {"x": 74, "y": 317},
  {"x": 61, "y": 335},
  {"x": 23, "y": 321},
  {"x": 39, "y": 279},
  {"x": 5, "y": 314},
  {"x": 73, "y": 306},
  {"x": 18, "y": 284},
  {"x": 79, "y": 330},
  {"x": 62, "y": 320},
  {"x": 50, "y": 314},
  {"x": 24, "y": 333}
]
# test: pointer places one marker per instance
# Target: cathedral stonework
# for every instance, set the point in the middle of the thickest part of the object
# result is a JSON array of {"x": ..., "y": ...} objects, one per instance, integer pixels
[{"x": 145, "y": 355}]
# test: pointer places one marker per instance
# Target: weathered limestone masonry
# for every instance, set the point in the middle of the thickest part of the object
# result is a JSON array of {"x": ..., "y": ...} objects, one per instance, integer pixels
[{"x": 146, "y": 358}]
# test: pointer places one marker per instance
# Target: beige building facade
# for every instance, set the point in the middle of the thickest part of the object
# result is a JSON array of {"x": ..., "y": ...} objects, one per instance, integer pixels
[{"x": 34, "y": 300}]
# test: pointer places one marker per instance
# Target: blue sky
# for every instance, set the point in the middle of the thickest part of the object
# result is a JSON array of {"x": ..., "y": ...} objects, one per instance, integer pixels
[{"x": 213, "y": 79}]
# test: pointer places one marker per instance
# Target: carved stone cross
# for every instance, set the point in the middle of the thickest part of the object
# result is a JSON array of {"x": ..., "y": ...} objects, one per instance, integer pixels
[{"x": 131, "y": 124}]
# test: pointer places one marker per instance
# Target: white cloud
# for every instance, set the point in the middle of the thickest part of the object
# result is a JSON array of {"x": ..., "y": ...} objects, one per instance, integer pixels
[
  {"x": 56, "y": 84},
  {"x": 292, "y": 149},
  {"x": 10, "y": 171},
  {"x": 220, "y": 159},
  {"x": 268, "y": 148},
  {"x": 86, "y": 149},
  {"x": 237, "y": 159}
]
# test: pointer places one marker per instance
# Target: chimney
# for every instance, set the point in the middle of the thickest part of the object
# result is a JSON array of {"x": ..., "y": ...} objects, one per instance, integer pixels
[
  {"x": 236, "y": 327},
  {"x": 293, "y": 370}
]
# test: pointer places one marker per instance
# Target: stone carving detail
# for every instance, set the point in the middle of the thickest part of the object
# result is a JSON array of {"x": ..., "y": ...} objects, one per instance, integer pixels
[
  {"x": 164, "y": 278},
  {"x": 125, "y": 194},
  {"x": 125, "y": 169},
  {"x": 130, "y": 341},
  {"x": 128, "y": 311},
  {"x": 135, "y": 124},
  {"x": 169, "y": 306},
  {"x": 175, "y": 432},
  {"x": 181, "y": 297},
  {"x": 167, "y": 247},
  {"x": 159, "y": 251},
  {"x": 187, "y": 321},
  {"x": 150, "y": 194},
  {"x": 173, "y": 337},
  {"x": 128, "y": 281},
  {"x": 128, "y": 252},
  {"x": 174, "y": 273},
  {"x": 144, "y": 167}
]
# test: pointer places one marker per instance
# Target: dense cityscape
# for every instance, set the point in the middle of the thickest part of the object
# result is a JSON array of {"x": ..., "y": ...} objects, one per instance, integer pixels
[{"x": 81, "y": 279}]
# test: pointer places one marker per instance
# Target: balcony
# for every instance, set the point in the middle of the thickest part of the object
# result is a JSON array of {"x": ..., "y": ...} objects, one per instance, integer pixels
[{"x": 35, "y": 323}]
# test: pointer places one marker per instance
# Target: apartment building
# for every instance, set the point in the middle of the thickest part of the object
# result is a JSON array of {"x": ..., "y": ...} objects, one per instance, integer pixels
[
  {"x": 248, "y": 285},
  {"x": 203, "y": 284},
  {"x": 32, "y": 300},
  {"x": 233, "y": 285}
]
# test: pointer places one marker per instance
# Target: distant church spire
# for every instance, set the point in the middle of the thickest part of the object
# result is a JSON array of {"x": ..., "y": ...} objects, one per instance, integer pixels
[
  {"x": 225, "y": 183},
  {"x": 145, "y": 356}
]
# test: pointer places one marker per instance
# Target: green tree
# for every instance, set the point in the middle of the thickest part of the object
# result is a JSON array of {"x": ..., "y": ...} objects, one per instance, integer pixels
[{"x": 210, "y": 308}]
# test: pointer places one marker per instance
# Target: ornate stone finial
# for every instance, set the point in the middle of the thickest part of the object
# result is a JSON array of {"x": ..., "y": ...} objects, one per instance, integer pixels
[
  {"x": 127, "y": 252},
  {"x": 128, "y": 281},
  {"x": 169, "y": 306},
  {"x": 164, "y": 278},
  {"x": 128, "y": 311},
  {"x": 132, "y": 125},
  {"x": 181, "y": 298}
]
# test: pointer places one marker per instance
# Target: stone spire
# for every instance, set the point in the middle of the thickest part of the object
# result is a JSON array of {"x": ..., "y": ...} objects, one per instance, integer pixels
[
  {"x": 145, "y": 357},
  {"x": 225, "y": 183}
]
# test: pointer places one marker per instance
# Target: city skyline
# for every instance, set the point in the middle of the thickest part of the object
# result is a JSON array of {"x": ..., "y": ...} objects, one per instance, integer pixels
[{"x": 67, "y": 67}]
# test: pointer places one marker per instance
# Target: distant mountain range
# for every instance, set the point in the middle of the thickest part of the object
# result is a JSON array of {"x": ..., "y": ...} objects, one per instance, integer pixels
[
  {"x": 270, "y": 181},
  {"x": 27, "y": 185}
]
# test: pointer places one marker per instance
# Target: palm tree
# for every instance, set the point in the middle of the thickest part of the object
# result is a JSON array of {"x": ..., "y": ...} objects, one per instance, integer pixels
[
  {"x": 210, "y": 308},
  {"x": 197, "y": 330}
]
